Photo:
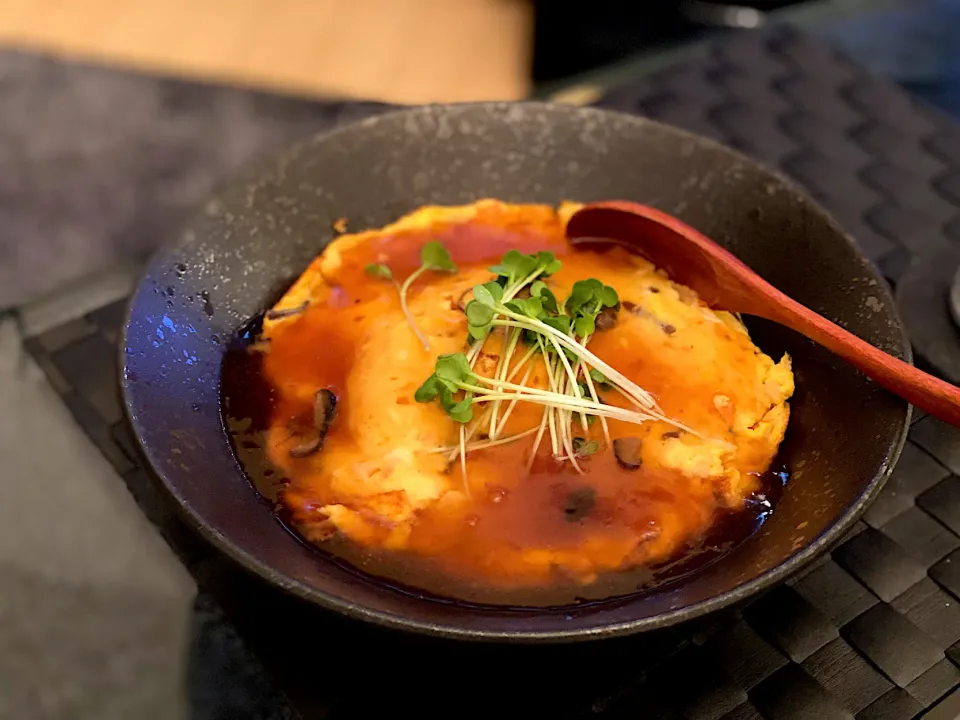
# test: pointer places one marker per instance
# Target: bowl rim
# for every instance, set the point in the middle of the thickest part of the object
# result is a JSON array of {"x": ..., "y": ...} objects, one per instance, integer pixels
[{"x": 794, "y": 563}]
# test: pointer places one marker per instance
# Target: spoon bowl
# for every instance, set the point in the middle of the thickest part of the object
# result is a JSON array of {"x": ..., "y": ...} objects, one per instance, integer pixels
[{"x": 725, "y": 283}]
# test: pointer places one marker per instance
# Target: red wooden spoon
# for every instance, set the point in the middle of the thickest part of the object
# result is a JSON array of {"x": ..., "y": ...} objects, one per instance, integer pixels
[{"x": 725, "y": 283}]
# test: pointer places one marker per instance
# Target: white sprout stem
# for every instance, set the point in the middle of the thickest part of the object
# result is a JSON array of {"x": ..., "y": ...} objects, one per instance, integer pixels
[
  {"x": 517, "y": 287},
  {"x": 470, "y": 433},
  {"x": 583, "y": 353},
  {"x": 570, "y": 375},
  {"x": 477, "y": 424},
  {"x": 659, "y": 415},
  {"x": 640, "y": 397},
  {"x": 575, "y": 401},
  {"x": 547, "y": 411},
  {"x": 474, "y": 352},
  {"x": 523, "y": 361},
  {"x": 554, "y": 446},
  {"x": 567, "y": 402},
  {"x": 463, "y": 460},
  {"x": 406, "y": 311},
  {"x": 513, "y": 403},
  {"x": 483, "y": 444},
  {"x": 554, "y": 436},
  {"x": 564, "y": 420},
  {"x": 556, "y": 384},
  {"x": 568, "y": 446},
  {"x": 539, "y": 438},
  {"x": 596, "y": 399},
  {"x": 610, "y": 411},
  {"x": 503, "y": 365}
]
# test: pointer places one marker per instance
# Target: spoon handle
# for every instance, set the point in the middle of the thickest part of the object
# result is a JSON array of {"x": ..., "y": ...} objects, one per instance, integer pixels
[{"x": 920, "y": 389}]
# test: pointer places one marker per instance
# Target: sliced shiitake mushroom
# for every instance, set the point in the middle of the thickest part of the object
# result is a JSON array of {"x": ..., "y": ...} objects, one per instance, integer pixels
[
  {"x": 286, "y": 312},
  {"x": 606, "y": 319},
  {"x": 627, "y": 452},
  {"x": 579, "y": 503},
  {"x": 324, "y": 412},
  {"x": 307, "y": 446}
]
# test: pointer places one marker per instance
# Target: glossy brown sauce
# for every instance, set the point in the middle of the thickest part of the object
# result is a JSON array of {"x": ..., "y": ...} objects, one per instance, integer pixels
[
  {"x": 248, "y": 403},
  {"x": 554, "y": 506}
]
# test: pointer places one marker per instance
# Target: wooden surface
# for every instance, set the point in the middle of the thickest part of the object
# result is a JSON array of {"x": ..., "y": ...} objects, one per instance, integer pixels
[{"x": 406, "y": 51}]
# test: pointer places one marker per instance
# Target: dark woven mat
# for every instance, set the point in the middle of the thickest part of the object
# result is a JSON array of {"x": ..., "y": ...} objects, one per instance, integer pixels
[{"x": 872, "y": 631}]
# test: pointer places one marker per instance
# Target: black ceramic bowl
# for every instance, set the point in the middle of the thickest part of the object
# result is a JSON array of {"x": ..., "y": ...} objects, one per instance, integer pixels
[{"x": 261, "y": 232}]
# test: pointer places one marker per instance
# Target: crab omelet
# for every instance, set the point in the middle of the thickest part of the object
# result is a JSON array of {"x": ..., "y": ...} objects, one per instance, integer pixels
[{"x": 386, "y": 475}]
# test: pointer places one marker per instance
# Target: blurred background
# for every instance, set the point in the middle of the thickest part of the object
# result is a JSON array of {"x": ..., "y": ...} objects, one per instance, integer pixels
[
  {"x": 117, "y": 117},
  {"x": 406, "y": 51}
]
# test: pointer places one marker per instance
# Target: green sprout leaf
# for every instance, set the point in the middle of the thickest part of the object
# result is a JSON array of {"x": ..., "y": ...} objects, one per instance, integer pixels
[
  {"x": 451, "y": 372},
  {"x": 548, "y": 300},
  {"x": 429, "y": 391},
  {"x": 587, "y": 299},
  {"x": 515, "y": 266},
  {"x": 462, "y": 411},
  {"x": 515, "y": 269},
  {"x": 479, "y": 332},
  {"x": 582, "y": 295},
  {"x": 608, "y": 296},
  {"x": 547, "y": 262},
  {"x": 531, "y": 307},
  {"x": 489, "y": 294},
  {"x": 584, "y": 326},
  {"x": 560, "y": 322},
  {"x": 453, "y": 368},
  {"x": 584, "y": 447},
  {"x": 379, "y": 271},
  {"x": 478, "y": 314},
  {"x": 434, "y": 256},
  {"x": 479, "y": 318},
  {"x": 600, "y": 379}
]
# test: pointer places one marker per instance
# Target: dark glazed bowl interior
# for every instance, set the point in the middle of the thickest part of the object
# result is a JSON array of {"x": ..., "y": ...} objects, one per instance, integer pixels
[{"x": 260, "y": 233}]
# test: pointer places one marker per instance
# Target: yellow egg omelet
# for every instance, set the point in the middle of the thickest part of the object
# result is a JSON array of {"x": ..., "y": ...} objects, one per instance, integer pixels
[{"x": 386, "y": 473}]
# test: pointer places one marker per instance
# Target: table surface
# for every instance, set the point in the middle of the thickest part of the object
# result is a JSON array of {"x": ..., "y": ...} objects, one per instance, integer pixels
[
  {"x": 413, "y": 51},
  {"x": 23, "y": 385}
]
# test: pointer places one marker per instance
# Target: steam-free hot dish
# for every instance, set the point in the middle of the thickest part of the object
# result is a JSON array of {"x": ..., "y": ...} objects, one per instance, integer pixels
[{"x": 464, "y": 402}]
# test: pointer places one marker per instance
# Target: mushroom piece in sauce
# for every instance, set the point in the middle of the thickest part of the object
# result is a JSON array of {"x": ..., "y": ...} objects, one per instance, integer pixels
[
  {"x": 627, "y": 452},
  {"x": 606, "y": 319},
  {"x": 286, "y": 312},
  {"x": 324, "y": 412},
  {"x": 307, "y": 446},
  {"x": 579, "y": 503}
]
